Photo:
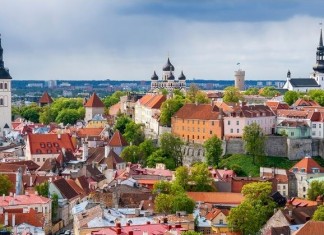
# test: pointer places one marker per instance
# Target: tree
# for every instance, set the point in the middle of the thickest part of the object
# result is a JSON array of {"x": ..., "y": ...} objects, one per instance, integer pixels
[
  {"x": 68, "y": 116},
  {"x": 163, "y": 203},
  {"x": 54, "y": 206},
  {"x": 269, "y": 91},
  {"x": 290, "y": 97},
  {"x": 168, "y": 108},
  {"x": 162, "y": 186},
  {"x": 160, "y": 157},
  {"x": 171, "y": 146},
  {"x": 121, "y": 123},
  {"x": 252, "y": 91},
  {"x": 319, "y": 214},
  {"x": 255, "y": 210},
  {"x": 254, "y": 139},
  {"x": 195, "y": 95},
  {"x": 201, "y": 178},
  {"x": 213, "y": 150},
  {"x": 316, "y": 188},
  {"x": 42, "y": 189},
  {"x": 191, "y": 233},
  {"x": 31, "y": 113},
  {"x": 5, "y": 185},
  {"x": 182, "y": 176},
  {"x": 134, "y": 133},
  {"x": 113, "y": 99},
  {"x": 132, "y": 154},
  {"x": 182, "y": 202},
  {"x": 147, "y": 148},
  {"x": 232, "y": 94},
  {"x": 317, "y": 95}
]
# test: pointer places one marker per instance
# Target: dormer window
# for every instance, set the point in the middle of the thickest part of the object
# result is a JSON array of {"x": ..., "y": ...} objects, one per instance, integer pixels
[
  {"x": 295, "y": 169},
  {"x": 38, "y": 151},
  {"x": 315, "y": 170},
  {"x": 42, "y": 144},
  {"x": 49, "y": 144},
  {"x": 302, "y": 170}
]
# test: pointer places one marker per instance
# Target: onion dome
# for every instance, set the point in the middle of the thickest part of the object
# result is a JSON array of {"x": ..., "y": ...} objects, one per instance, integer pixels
[
  {"x": 171, "y": 77},
  {"x": 168, "y": 66},
  {"x": 154, "y": 76},
  {"x": 182, "y": 76}
]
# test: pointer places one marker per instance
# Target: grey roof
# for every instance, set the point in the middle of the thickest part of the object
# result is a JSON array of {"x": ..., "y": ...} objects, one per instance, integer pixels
[{"x": 303, "y": 82}]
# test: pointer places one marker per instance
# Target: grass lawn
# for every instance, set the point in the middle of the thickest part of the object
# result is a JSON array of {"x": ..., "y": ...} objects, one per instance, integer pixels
[{"x": 243, "y": 164}]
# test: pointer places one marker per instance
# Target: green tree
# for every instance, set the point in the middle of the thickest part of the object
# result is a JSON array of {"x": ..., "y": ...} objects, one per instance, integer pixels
[
  {"x": 290, "y": 97},
  {"x": 54, "y": 206},
  {"x": 317, "y": 95},
  {"x": 134, "y": 133},
  {"x": 182, "y": 176},
  {"x": 160, "y": 157},
  {"x": 5, "y": 185},
  {"x": 201, "y": 178},
  {"x": 319, "y": 214},
  {"x": 171, "y": 146},
  {"x": 121, "y": 123},
  {"x": 213, "y": 150},
  {"x": 147, "y": 148},
  {"x": 182, "y": 202},
  {"x": 257, "y": 208},
  {"x": 232, "y": 94},
  {"x": 252, "y": 91},
  {"x": 113, "y": 99},
  {"x": 31, "y": 113},
  {"x": 68, "y": 116},
  {"x": 168, "y": 108},
  {"x": 163, "y": 203},
  {"x": 162, "y": 186},
  {"x": 42, "y": 189},
  {"x": 316, "y": 188},
  {"x": 132, "y": 154},
  {"x": 269, "y": 91},
  {"x": 195, "y": 95},
  {"x": 191, "y": 233},
  {"x": 254, "y": 140}
]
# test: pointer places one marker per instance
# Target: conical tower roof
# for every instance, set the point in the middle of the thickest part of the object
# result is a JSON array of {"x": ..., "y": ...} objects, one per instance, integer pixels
[
  {"x": 94, "y": 102},
  {"x": 46, "y": 99}
]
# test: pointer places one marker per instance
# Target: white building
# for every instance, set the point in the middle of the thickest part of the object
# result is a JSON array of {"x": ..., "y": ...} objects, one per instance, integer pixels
[
  {"x": 5, "y": 96},
  {"x": 316, "y": 80}
]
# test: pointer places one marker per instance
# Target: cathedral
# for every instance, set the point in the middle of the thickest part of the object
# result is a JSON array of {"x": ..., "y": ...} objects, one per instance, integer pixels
[
  {"x": 168, "y": 80},
  {"x": 5, "y": 96},
  {"x": 316, "y": 80}
]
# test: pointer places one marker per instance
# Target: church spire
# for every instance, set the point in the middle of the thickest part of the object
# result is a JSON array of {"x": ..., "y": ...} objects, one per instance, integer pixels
[
  {"x": 321, "y": 40},
  {"x": 319, "y": 66},
  {"x": 1, "y": 55}
]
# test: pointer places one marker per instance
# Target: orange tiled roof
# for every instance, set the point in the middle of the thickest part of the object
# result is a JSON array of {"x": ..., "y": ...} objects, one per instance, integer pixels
[
  {"x": 114, "y": 109},
  {"x": 32, "y": 217},
  {"x": 303, "y": 102},
  {"x": 308, "y": 164},
  {"x": 84, "y": 132},
  {"x": 198, "y": 111},
  {"x": 117, "y": 140},
  {"x": 23, "y": 200},
  {"x": 217, "y": 197},
  {"x": 50, "y": 143},
  {"x": 94, "y": 102},
  {"x": 299, "y": 202},
  {"x": 311, "y": 227},
  {"x": 46, "y": 99},
  {"x": 212, "y": 214},
  {"x": 152, "y": 101},
  {"x": 293, "y": 113}
]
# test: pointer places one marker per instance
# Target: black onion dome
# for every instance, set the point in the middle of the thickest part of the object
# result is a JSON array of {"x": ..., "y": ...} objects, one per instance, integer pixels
[
  {"x": 154, "y": 76},
  {"x": 171, "y": 77},
  {"x": 168, "y": 66},
  {"x": 182, "y": 76}
]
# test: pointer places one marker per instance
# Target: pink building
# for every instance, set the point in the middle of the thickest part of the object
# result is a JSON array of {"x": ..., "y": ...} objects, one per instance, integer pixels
[{"x": 238, "y": 116}]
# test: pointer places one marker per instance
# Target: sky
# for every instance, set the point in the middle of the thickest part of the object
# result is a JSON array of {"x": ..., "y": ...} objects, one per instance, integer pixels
[{"x": 129, "y": 39}]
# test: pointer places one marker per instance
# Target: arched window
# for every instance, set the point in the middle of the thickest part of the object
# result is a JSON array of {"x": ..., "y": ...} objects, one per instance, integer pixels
[
  {"x": 1, "y": 101},
  {"x": 6, "y": 86},
  {"x": 1, "y": 85}
]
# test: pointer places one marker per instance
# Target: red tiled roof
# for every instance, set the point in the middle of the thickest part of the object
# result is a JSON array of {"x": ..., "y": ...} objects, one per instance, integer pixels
[
  {"x": 308, "y": 164},
  {"x": 31, "y": 165},
  {"x": 76, "y": 187},
  {"x": 293, "y": 113},
  {"x": 152, "y": 101},
  {"x": 303, "y": 102},
  {"x": 311, "y": 227},
  {"x": 46, "y": 99},
  {"x": 299, "y": 202},
  {"x": 4, "y": 167},
  {"x": 65, "y": 188},
  {"x": 117, "y": 140},
  {"x": 114, "y": 109},
  {"x": 50, "y": 143},
  {"x": 212, "y": 214},
  {"x": 23, "y": 200},
  {"x": 31, "y": 217},
  {"x": 216, "y": 197},
  {"x": 94, "y": 102},
  {"x": 198, "y": 111}
]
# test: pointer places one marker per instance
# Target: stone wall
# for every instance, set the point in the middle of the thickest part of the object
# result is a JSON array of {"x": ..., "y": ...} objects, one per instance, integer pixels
[
  {"x": 299, "y": 148},
  {"x": 234, "y": 146},
  {"x": 276, "y": 146}
]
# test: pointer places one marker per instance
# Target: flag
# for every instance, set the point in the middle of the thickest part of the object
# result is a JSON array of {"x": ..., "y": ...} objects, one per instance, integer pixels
[{"x": 238, "y": 64}]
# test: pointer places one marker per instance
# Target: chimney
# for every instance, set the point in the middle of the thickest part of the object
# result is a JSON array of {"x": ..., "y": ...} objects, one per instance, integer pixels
[
  {"x": 107, "y": 150},
  {"x": 30, "y": 181},
  {"x": 10, "y": 194},
  {"x": 130, "y": 233},
  {"x": 59, "y": 136},
  {"x": 118, "y": 225},
  {"x": 3, "y": 197},
  {"x": 148, "y": 222},
  {"x": 169, "y": 227},
  {"x": 165, "y": 220},
  {"x": 118, "y": 230},
  {"x": 85, "y": 152},
  {"x": 63, "y": 151},
  {"x": 19, "y": 183},
  {"x": 13, "y": 222},
  {"x": 6, "y": 219}
]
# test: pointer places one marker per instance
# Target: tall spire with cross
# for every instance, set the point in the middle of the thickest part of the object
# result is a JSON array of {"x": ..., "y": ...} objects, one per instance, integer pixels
[
  {"x": 319, "y": 66},
  {"x": 1, "y": 55}
]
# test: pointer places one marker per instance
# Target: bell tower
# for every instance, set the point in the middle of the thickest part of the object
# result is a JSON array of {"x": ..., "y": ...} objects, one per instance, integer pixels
[
  {"x": 5, "y": 96},
  {"x": 318, "y": 68}
]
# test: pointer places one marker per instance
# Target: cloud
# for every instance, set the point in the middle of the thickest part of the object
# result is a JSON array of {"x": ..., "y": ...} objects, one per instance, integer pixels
[{"x": 81, "y": 39}]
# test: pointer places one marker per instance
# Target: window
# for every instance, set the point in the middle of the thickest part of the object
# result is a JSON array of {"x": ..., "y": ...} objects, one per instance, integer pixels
[
  {"x": 221, "y": 221},
  {"x": 212, "y": 123},
  {"x": 49, "y": 144},
  {"x": 1, "y": 100},
  {"x": 313, "y": 133},
  {"x": 304, "y": 189},
  {"x": 284, "y": 193},
  {"x": 228, "y": 122},
  {"x": 193, "y": 121},
  {"x": 198, "y": 129},
  {"x": 284, "y": 187},
  {"x": 314, "y": 125},
  {"x": 292, "y": 133},
  {"x": 203, "y": 122},
  {"x": 237, "y": 130},
  {"x": 6, "y": 86},
  {"x": 44, "y": 159},
  {"x": 198, "y": 121},
  {"x": 278, "y": 187},
  {"x": 42, "y": 145},
  {"x": 302, "y": 170},
  {"x": 38, "y": 159},
  {"x": 1, "y": 85},
  {"x": 237, "y": 122},
  {"x": 320, "y": 125},
  {"x": 193, "y": 137},
  {"x": 231, "y": 130},
  {"x": 211, "y": 132}
]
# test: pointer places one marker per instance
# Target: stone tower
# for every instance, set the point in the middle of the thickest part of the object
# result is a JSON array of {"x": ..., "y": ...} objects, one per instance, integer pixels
[
  {"x": 5, "y": 96},
  {"x": 239, "y": 79},
  {"x": 318, "y": 68}
]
